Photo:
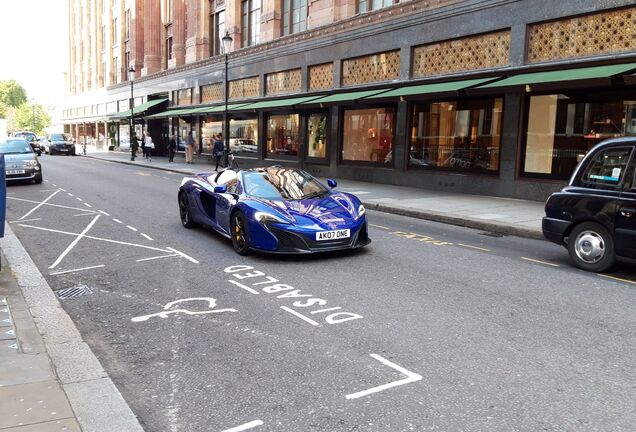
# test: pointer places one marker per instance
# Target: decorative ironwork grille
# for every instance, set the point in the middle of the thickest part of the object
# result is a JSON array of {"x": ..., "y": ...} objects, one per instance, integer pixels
[
  {"x": 470, "y": 53},
  {"x": 282, "y": 82},
  {"x": 184, "y": 97},
  {"x": 245, "y": 88},
  {"x": 601, "y": 33},
  {"x": 377, "y": 67},
  {"x": 212, "y": 93},
  {"x": 321, "y": 76}
]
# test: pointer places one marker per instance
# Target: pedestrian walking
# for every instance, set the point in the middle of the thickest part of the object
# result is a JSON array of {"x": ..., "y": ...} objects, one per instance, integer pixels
[
  {"x": 217, "y": 150},
  {"x": 149, "y": 146},
  {"x": 143, "y": 144},
  {"x": 172, "y": 146},
  {"x": 189, "y": 148},
  {"x": 134, "y": 146}
]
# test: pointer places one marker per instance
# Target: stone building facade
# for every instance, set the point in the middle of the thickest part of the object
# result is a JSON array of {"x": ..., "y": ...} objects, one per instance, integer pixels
[{"x": 498, "y": 97}]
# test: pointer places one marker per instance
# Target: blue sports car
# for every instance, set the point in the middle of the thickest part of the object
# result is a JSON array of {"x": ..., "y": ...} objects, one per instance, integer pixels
[{"x": 275, "y": 209}]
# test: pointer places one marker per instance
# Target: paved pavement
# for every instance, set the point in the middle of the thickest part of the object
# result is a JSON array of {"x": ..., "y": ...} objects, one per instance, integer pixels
[
  {"x": 51, "y": 381},
  {"x": 501, "y": 215}
]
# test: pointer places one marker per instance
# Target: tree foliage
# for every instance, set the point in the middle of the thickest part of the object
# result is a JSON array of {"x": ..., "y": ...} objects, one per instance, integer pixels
[
  {"x": 12, "y": 93},
  {"x": 32, "y": 117}
]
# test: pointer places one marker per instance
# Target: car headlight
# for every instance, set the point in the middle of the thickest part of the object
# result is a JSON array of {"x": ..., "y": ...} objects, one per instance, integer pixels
[
  {"x": 262, "y": 217},
  {"x": 32, "y": 163},
  {"x": 361, "y": 211}
]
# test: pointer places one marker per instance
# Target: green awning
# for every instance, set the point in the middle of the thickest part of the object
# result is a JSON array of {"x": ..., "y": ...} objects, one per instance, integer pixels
[
  {"x": 281, "y": 103},
  {"x": 346, "y": 97},
  {"x": 139, "y": 109},
  {"x": 169, "y": 113},
  {"x": 562, "y": 75},
  {"x": 218, "y": 109},
  {"x": 432, "y": 88}
]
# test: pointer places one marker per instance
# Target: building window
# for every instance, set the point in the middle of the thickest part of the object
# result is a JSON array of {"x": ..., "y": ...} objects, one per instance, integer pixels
[
  {"x": 127, "y": 62},
  {"x": 251, "y": 20},
  {"x": 115, "y": 33},
  {"x": 102, "y": 43},
  {"x": 244, "y": 136},
  {"x": 561, "y": 128},
  {"x": 168, "y": 50},
  {"x": 116, "y": 71},
  {"x": 217, "y": 31},
  {"x": 460, "y": 135},
  {"x": 168, "y": 7},
  {"x": 317, "y": 136},
  {"x": 210, "y": 126},
  {"x": 283, "y": 134},
  {"x": 127, "y": 24},
  {"x": 368, "y": 135},
  {"x": 294, "y": 16},
  {"x": 369, "y": 5}
]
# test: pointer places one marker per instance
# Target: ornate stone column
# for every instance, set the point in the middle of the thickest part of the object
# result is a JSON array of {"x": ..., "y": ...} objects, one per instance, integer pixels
[
  {"x": 197, "y": 38},
  {"x": 136, "y": 35},
  {"x": 152, "y": 37},
  {"x": 178, "y": 33}
]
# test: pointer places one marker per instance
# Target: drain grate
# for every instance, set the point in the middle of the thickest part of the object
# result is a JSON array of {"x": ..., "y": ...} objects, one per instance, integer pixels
[
  {"x": 491, "y": 234},
  {"x": 67, "y": 293}
]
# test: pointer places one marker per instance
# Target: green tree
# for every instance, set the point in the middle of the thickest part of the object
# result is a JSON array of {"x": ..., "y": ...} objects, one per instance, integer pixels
[
  {"x": 32, "y": 117},
  {"x": 3, "y": 110},
  {"x": 12, "y": 93}
]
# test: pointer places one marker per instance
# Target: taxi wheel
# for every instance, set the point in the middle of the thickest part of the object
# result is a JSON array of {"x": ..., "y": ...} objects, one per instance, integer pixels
[
  {"x": 591, "y": 247},
  {"x": 240, "y": 236},
  {"x": 184, "y": 212}
]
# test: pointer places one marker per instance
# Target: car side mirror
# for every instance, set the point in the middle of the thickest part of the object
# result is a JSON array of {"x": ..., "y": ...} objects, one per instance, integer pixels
[
  {"x": 332, "y": 183},
  {"x": 220, "y": 189}
]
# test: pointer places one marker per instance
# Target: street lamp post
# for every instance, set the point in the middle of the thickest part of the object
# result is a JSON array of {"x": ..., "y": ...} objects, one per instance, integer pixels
[
  {"x": 227, "y": 45},
  {"x": 131, "y": 71}
]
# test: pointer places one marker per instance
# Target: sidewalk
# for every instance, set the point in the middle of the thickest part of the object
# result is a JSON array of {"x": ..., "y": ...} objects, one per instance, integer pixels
[
  {"x": 50, "y": 380},
  {"x": 501, "y": 215}
]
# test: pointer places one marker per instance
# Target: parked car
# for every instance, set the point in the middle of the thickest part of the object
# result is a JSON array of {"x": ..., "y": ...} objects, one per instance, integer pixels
[
  {"x": 274, "y": 209},
  {"x": 20, "y": 162},
  {"x": 242, "y": 145},
  {"x": 595, "y": 215},
  {"x": 61, "y": 143},
  {"x": 32, "y": 139}
]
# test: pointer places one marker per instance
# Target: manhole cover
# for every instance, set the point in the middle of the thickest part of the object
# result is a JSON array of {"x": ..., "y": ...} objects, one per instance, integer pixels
[
  {"x": 67, "y": 293},
  {"x": 491, "y": 234}
]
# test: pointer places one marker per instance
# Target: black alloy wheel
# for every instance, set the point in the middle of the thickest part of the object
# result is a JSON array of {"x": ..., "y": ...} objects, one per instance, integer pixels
[
  {"x": 591, "y": 247},
  {"x": 239, "y": 233},
  {"x": 184, "y": 212}
]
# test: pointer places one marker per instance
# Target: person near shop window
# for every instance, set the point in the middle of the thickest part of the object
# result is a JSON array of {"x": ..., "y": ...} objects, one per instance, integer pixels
[
  {"x": 217, "y": 150},
  {"x": 172, "y": 146},
  {"x": 149, "y": 146},
  {"x": 189, "y": 148},
  {"x": 134, "y": 146}
]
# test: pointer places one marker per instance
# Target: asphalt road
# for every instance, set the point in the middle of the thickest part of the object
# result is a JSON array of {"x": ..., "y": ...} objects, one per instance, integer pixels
[{"x": 431, "y": 328}]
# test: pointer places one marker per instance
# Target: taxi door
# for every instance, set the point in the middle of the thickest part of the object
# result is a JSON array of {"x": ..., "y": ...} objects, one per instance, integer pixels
[{"x": 625, "y": 222}]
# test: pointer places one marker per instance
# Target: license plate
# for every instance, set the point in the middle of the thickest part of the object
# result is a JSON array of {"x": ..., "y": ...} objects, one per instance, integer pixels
[
  {"x": 12, "y": 172},
  {"x": 333, "y": 235}
]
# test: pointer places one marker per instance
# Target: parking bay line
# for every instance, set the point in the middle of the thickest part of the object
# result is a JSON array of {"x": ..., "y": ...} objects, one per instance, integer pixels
[
  {"x": 74, "y": 242},
  {"x": 540, "y": 262},
  {"x": 245, "y": 426},
  {"x": 240, "y": 285},
  {"x": 473, "y": 247},
  {"x": 76, "y": 270},
  {"x": 299, "y": 315},
  {"x": 189, "y": 258},
  {"x": 410, "y": 377},
  {"x": 617, "y": 278},
  {"x": 40, "y": 204},
  {"x": 156, "y": 257},
  {"x": 53, "y": 205},
  {"x": 27, "y": 220}
]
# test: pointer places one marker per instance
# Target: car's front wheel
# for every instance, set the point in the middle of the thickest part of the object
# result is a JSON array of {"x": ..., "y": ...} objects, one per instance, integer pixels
[
  {"x": 591, "y": 247},
  {"x": 184, "y": 212},
  {"x": 38, "y": 179},
  {"x": 239, "y": 233}
]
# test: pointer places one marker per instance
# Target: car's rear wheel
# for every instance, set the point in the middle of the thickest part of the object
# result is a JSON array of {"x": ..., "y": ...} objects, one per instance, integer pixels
[
  {"x": 239, "y": 233},
  {"x": 184, "y": 212},
  {"x": 591, "y": 247}
]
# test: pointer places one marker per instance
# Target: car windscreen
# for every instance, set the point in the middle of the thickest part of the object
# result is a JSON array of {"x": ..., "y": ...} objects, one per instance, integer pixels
[
  {"x": 15, "y": 146},
  {"x": 282, "y": 183},
  {"x": 58, "y": 137},
  {"x": 26, "y": 136}
]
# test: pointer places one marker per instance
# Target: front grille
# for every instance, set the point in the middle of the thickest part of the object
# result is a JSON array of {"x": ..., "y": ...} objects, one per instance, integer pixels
[{"x": 289, "y": 241}]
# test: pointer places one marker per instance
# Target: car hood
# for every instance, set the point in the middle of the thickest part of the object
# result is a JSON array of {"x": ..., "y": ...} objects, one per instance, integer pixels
[
  {"x": 60, "y": 142},
  {"x": 331, "y": 212},
  {"x": 18, "y": 157}
]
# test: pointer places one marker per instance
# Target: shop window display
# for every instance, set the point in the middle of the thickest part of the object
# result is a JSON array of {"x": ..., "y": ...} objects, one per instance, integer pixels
[
  {"x": 457, "y": 135},
  {"x": 368, "y": 135},
  {"x": 283, "y": 134},
  {"x": 561, "y": 128},
  {"x": 317, "y": 136},
  {"x": 210, "y": 127},
  {"x": 244, "y": 136}
]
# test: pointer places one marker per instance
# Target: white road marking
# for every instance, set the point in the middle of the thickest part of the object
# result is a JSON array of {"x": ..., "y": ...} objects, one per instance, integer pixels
[
  {"x": 157, "y": 257},
  {"x": 380, "y": 226},
  {"x": 84, "y": 214},
  {"x": 410, "y": 377},
  {"x": 88, "y": 205},
  {"x": 165, "y": 313},
  {"x": 103, "y": 212},
  {"x": 74, "y": 242},
  {"x": 51, "y": 205},
  {"x": 539, "y": 262},
  {"x": 98, "y": 238},
  {"x": 240, "y": 285},
  {"x": 117, "y": 220},
  {"x": 473, "y": 247},
  {"x": 70, "y": 194},
  {"x": 131, "y": 228},
  {"x": 299, "y": 315},
  {"x": 147, "y": 236},
  {"x": 76, "y": 270},
  {"x": 47, "y": 190},
  {"x": 26, "y": 220},
  {"x": 78, "y": 198},
  {"x": 245, "y": 426},
  {"x": 183, "y": 255},
  {"x": 54, "y": 185},
  {"x": 63, "y": 190},
  {"x": 39, "y": 205},
  {"x": 325, "y": 310}
]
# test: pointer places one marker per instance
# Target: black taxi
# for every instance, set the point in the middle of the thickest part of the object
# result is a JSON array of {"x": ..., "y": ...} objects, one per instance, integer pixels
[{"x": 594, "y": 217}]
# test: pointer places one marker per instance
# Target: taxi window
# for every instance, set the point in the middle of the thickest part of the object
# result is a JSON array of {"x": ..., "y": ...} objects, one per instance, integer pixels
[
  {"x": 607, "y": 169},
  {"x": 630, "y": 177}
]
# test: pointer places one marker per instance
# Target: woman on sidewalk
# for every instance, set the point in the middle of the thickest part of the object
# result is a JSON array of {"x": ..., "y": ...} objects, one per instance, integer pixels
[{"x": 149, "y": 145}]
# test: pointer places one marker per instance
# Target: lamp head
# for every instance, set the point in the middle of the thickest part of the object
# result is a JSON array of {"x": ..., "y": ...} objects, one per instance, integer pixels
[{"x": 227, "y": 42}]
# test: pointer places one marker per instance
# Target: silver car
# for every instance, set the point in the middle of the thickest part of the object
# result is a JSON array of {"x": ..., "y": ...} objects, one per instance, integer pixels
[{"x": 20, "y": 162}]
